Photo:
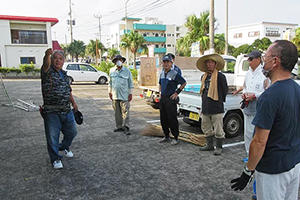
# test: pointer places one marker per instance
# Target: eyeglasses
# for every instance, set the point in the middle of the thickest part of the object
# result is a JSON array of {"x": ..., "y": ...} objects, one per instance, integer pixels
[{"x": 263, "y": 58}]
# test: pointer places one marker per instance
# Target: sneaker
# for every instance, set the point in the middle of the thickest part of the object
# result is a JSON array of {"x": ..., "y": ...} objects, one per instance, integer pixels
[
  {"x": 174, "y": 142},
  {"x": 68, "y": 153},
  {"x": 57, "y": 164},
  {"x": 165, "y": 139},
  {"x": 245, "y": 160}
]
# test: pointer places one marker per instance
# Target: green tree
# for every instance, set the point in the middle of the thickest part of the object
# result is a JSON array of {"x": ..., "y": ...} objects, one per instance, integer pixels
[
  {"x": 261, "y": 44},
  {"x": 296, "y": 40},
  {"x": 219, "y": 43},
  {"x": 112, "y": 52},
  {"x": 91, "y": 48},
  {"x": 77, "y": 48},
  {"x": 198, "y": 30},
  {"x": 133, "y": 41}
]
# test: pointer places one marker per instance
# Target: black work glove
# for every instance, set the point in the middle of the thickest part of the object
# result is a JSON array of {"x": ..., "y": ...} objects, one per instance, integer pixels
[{"x": 241, "y": 182}]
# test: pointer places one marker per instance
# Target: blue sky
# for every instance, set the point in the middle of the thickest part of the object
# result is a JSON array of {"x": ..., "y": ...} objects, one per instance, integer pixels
[{"x": 168, "y": 11}]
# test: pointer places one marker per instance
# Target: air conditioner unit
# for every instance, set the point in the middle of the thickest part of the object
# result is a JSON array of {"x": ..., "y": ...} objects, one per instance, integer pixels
[{"x": 16, "y": 41}]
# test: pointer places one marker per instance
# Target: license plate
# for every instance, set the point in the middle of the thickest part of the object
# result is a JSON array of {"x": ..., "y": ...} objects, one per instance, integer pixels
[
  {"x": 194, "y": 116},
  {"x": 149, "y": 93}
]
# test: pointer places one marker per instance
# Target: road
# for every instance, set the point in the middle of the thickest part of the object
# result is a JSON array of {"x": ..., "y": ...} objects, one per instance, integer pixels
[{"x": 108, "y": 165}]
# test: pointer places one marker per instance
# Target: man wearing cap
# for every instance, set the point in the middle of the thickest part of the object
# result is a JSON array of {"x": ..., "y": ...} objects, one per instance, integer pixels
[
  {"x": 254, "y": 85},
  {"x": 168, "y": 87},
  {"x": 213, "y": 93},
  {"x": 174, "y": 67},
  {"x": 120, "y": 87},
  {"x": 274, "y": 153},
  {"x": 56, "y": 111}
]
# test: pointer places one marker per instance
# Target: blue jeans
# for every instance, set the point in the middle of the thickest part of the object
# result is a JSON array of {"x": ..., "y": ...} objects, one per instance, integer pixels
[{"x": 54, "y": 124}]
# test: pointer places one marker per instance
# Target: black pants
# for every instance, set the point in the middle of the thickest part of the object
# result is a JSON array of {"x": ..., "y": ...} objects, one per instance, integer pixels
[{"x": 168, "y": 117}]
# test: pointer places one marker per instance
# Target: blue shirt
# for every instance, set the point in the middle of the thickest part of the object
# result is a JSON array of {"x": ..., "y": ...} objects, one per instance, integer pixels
[
  {"x": 278, "y": 110},
  {"x": 120, "y": 83},
  {"x": 169, "y": 82},
  {"x": 176, "y": 68}
]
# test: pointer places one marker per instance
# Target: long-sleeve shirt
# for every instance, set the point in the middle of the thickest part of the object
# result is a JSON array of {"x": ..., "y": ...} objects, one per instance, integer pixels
[{"x": 120, "y": 83}]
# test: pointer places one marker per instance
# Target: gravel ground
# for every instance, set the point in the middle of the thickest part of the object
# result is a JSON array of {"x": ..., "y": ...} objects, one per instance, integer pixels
[{"x": 107, "y": 165}]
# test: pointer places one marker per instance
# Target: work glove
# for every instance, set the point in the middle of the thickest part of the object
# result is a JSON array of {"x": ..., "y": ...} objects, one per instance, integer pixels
[{"x": 241, "y": 182}]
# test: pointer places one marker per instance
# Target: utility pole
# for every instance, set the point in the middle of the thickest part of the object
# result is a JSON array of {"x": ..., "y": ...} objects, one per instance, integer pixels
[
  {"x": 71, "y": 21},
  {"x": 211, "y": 27},
  {"x": 226, "y": 33},
  {"x": 226, "y": 27},
  {"x": 99, "y": 17},
  {"x": 126, "y": 30}
]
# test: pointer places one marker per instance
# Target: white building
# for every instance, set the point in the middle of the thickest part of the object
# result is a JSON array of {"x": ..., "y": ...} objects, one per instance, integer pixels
[
  {"x": 162, "y": 38},
  {"x": 24, "y": 39},
  {"x": 248, "y": 33}
]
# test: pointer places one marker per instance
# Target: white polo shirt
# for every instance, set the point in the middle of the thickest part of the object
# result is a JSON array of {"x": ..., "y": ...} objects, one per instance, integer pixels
[{"x": 254, "y": 83}]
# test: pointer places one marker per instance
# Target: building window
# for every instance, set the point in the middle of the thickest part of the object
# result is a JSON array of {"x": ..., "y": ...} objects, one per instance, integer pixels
[
  {"x": 28, "y": 37},
  {"x": 156, "y": 46},
  {"x": 168, "y": 45},
  {"x": 177, "y": 28},
  {"x": 28, "y": 60},
  {"x": 144, "y": 34},
  {"x": 253, "y": 34},
  {"x": 173, "y": 35},
  {"x": 238, "y": 35},
  {"x": 161, "y": 34},
  {"x": 272, "y": 31},
  {"x": 156, "y": 35}
]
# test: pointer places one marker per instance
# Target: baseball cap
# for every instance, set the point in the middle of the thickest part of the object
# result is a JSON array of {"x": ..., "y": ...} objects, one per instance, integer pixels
[
  {"x": 254, "y": 54},
  {"x": 78, "y": 116},
  {"x": 167, "y": 58}
]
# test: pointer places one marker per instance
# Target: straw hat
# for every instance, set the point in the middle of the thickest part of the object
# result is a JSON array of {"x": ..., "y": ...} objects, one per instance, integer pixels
[{"x": 215, "y": 57}]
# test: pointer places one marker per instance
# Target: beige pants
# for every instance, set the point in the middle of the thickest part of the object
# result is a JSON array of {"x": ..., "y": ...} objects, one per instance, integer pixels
[
  {"x": 212, "y": 125},
  {"x": 121, "y": 113}
]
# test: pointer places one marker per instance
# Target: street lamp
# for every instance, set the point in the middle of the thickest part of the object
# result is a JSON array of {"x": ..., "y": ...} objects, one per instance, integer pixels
[{"x": 126, "y": 29}]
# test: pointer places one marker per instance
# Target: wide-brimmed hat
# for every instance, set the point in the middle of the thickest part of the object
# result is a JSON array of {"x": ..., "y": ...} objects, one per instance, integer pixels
[
  {"x": 118, "y": 57},
  {"x": 215, "y": 57}
]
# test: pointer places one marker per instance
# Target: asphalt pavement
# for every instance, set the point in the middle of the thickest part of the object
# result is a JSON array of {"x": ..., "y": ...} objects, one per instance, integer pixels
[{"x": 107, "y": 165}]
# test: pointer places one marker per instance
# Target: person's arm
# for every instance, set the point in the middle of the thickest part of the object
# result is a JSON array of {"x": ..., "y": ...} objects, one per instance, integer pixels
[
  {"x": 237, "y": 91},
  {"x": 257, "y": 147},
  {"x": 73, "y": 102},
  {"x": 180, "y": 79},
  {"x": 130, "y": 84},
  {"x": 110, "y": 85},
  {"x": 47, "y": 60}
]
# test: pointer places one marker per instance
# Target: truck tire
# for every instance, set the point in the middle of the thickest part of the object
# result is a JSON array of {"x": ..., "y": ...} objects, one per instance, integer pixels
[{"x": 233, "y": 125}]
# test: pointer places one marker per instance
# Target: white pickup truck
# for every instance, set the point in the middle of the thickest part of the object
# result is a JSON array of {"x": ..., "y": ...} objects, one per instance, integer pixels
[
  {"x": 189, "y": 72},
  {"x": 190, "y": 100}
]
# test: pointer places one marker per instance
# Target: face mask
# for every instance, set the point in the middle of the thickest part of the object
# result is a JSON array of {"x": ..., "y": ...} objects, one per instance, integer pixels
[
  {"x": 119, "y": 63},
  {"x": 266, "y": 72}
]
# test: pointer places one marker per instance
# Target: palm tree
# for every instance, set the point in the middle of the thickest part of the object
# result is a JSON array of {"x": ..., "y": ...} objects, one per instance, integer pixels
[
  {"x": 219, "y": 43},
  {"x": 91, "y": 48},
  {"x": 112, "y": 53},
  {"x": 198, "y": 30},
  {"x": 133, "y": 41},
  {"x": 77, "y": 48}
]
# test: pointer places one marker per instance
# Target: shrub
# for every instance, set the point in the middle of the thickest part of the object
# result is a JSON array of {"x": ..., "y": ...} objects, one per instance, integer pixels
[
  {"x": 134, "y": 74},
  {"x": 4, "y": 70},
  {"x": 105, "y": 66},
  {"x": 26, "y": 68},
  {"x": 15, "y": 70}
]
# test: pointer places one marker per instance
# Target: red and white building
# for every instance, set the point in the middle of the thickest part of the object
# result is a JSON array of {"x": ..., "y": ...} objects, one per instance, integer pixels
[{"x": 24, "y": 40}]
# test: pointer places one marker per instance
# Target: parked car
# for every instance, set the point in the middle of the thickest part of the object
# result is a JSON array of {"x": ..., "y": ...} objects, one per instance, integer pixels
[{"x": 84, "y": 72}]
